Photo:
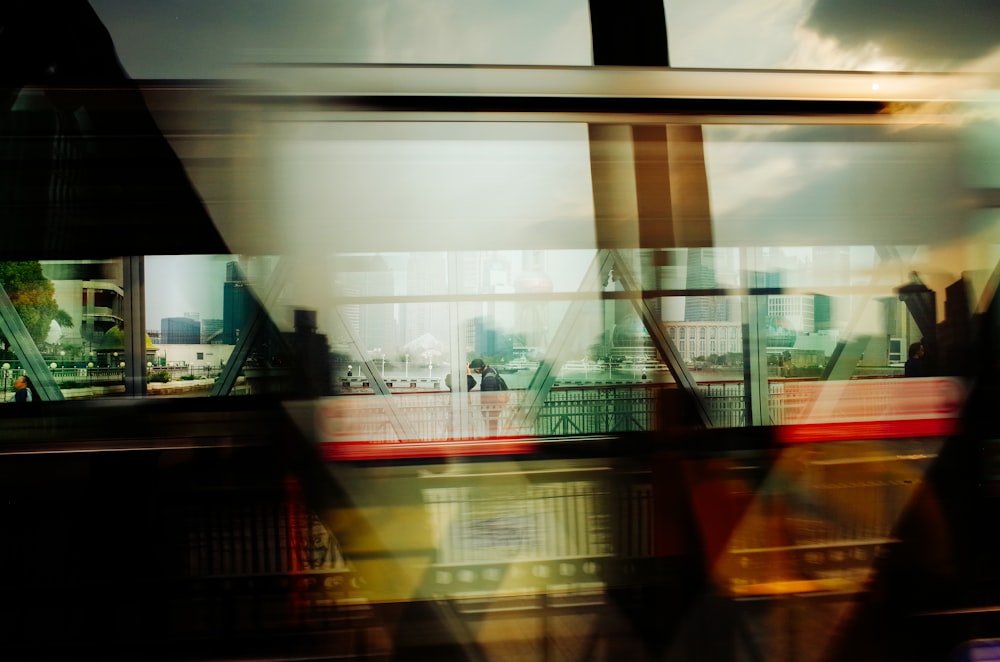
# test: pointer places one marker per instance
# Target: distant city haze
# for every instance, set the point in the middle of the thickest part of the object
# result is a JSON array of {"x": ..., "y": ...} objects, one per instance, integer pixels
[{"x": 177, "y": 285}]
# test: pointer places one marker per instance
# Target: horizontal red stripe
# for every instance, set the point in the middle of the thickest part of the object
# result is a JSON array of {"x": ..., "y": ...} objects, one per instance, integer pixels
[
  {"x": 893, "y": 429},
  {"x": 791, "y": 434},
  {"x": 381, "y": 450}
]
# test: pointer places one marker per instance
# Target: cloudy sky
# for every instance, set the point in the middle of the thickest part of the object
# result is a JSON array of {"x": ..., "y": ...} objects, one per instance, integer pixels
[
  {"x": 206, "y": 38},
  {"x": 757, "y": 177}
]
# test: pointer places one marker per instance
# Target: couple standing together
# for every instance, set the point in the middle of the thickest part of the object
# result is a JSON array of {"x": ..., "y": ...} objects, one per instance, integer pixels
[
  {"x": 489, "y": 381},
  {"x": 489, "y": 378}
]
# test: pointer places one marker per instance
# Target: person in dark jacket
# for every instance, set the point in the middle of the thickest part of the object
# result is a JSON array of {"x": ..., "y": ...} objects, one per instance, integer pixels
[
  {"x": 915, "y": 365},
  {"x": 489, "y": 378},
  {"x": 490, "y": 382},
  {"x": 23, "y": 390}
]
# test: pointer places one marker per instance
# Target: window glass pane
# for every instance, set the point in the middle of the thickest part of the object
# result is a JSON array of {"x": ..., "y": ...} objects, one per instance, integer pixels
[
  {"x": 422, "y": 246},
  {"x": 212, "y": 38},
  {"x": 418, "y": 187},
  {"x": 195, "y": 306},
  {"x": 64, "y": 332},
  {"x": 820, "y": 185},
  {"x": 831, "y": 35}
]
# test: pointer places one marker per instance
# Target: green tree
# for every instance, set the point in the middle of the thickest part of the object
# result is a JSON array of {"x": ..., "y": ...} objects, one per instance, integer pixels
[{"x": 33, "y": 296}]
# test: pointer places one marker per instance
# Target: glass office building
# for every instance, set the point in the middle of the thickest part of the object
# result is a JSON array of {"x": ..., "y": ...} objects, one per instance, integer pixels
[{"x": 736, "y": 264}]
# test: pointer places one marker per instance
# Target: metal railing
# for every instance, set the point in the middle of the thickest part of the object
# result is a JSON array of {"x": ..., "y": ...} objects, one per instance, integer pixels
[{"x": 566, "y": 411}]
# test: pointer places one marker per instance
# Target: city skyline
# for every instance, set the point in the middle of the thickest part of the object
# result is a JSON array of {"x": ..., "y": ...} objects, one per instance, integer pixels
[{"x": 180, "y": 284}]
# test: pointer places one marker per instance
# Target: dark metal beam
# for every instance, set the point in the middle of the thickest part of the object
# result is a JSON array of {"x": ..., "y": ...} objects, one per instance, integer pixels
[
  {"x": 921, "y": 301},
  {"x": 401, "y": 424},
  {"x": 756, "y": 387},
  {"x": 253, "y": 329},
  {"x": 557, "y": 353},
  {"x": 461, "y": 411},
  {"x": 661, "y": 340},
  {"x": 22, "y": 344},
  {"x": 847, "y": 353},
  {"x": 629, "y": 33},
  {"x": 134, "y": 286}
]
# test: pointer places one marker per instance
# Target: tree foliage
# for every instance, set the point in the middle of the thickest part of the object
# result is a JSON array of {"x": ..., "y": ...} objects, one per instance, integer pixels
[{"x": 33, "y": 296}]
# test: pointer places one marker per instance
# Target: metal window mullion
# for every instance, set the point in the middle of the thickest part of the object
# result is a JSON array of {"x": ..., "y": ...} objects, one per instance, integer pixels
[
  {"x": 545, "y": 375},
  {"x": 398, "y": 420},
  {"x": 755, "y": 382},
  {"x": 664, "y": 345},
  {"x": 134, "y": 287},
  {"x": 459, "y": 411},
  {"x": 252, "y": 330}
]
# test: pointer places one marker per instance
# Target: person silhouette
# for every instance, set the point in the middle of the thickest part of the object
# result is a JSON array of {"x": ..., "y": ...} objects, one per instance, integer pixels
[{"x": 915, "y": 365}]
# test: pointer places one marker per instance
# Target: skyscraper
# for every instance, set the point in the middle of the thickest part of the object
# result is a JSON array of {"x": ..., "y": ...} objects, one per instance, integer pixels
[
  {"x": 237, "y": 304},
  {"x": 180, "y": 331},
  {"x": 701, "y": 275}
]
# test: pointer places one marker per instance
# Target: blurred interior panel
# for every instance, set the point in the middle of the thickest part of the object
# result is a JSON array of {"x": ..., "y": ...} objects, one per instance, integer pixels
[{"x": 376, "y": 349}]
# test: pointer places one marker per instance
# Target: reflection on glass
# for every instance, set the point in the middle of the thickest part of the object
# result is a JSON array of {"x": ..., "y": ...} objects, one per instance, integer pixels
[
  {"x": 428, "y": 187},
  {"x": 64, "y": 327},
  {"x": 197, "y": 306},
  {"x": 559, "y": 335}
]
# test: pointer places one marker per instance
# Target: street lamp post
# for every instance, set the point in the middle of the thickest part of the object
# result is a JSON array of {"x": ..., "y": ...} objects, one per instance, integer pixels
[
  {"x": 376, "y": 352},
  {"x": 6, "y": 376}
]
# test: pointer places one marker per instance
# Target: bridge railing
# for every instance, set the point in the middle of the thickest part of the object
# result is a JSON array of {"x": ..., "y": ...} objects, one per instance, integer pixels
[
  {"x": 895, "y": 407},
  {"x": 566, "y": 411}
]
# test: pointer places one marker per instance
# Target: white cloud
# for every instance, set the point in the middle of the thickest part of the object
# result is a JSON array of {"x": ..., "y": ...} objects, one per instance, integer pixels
[
  {"x": 770, "y": 179},
  {"x": 814, "y": 51},
  {"x": 745, "y": 168}
]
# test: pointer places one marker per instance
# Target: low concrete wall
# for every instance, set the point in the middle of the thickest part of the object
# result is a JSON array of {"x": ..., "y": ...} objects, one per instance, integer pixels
[{"x": 152, "y": 388}]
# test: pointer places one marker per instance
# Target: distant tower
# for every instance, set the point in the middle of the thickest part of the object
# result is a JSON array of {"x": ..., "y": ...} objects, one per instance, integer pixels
[
  {"x": 238, "y": 304},
  {"x": 701, "y": 276},
  {"x": 180, "y": 331}
]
